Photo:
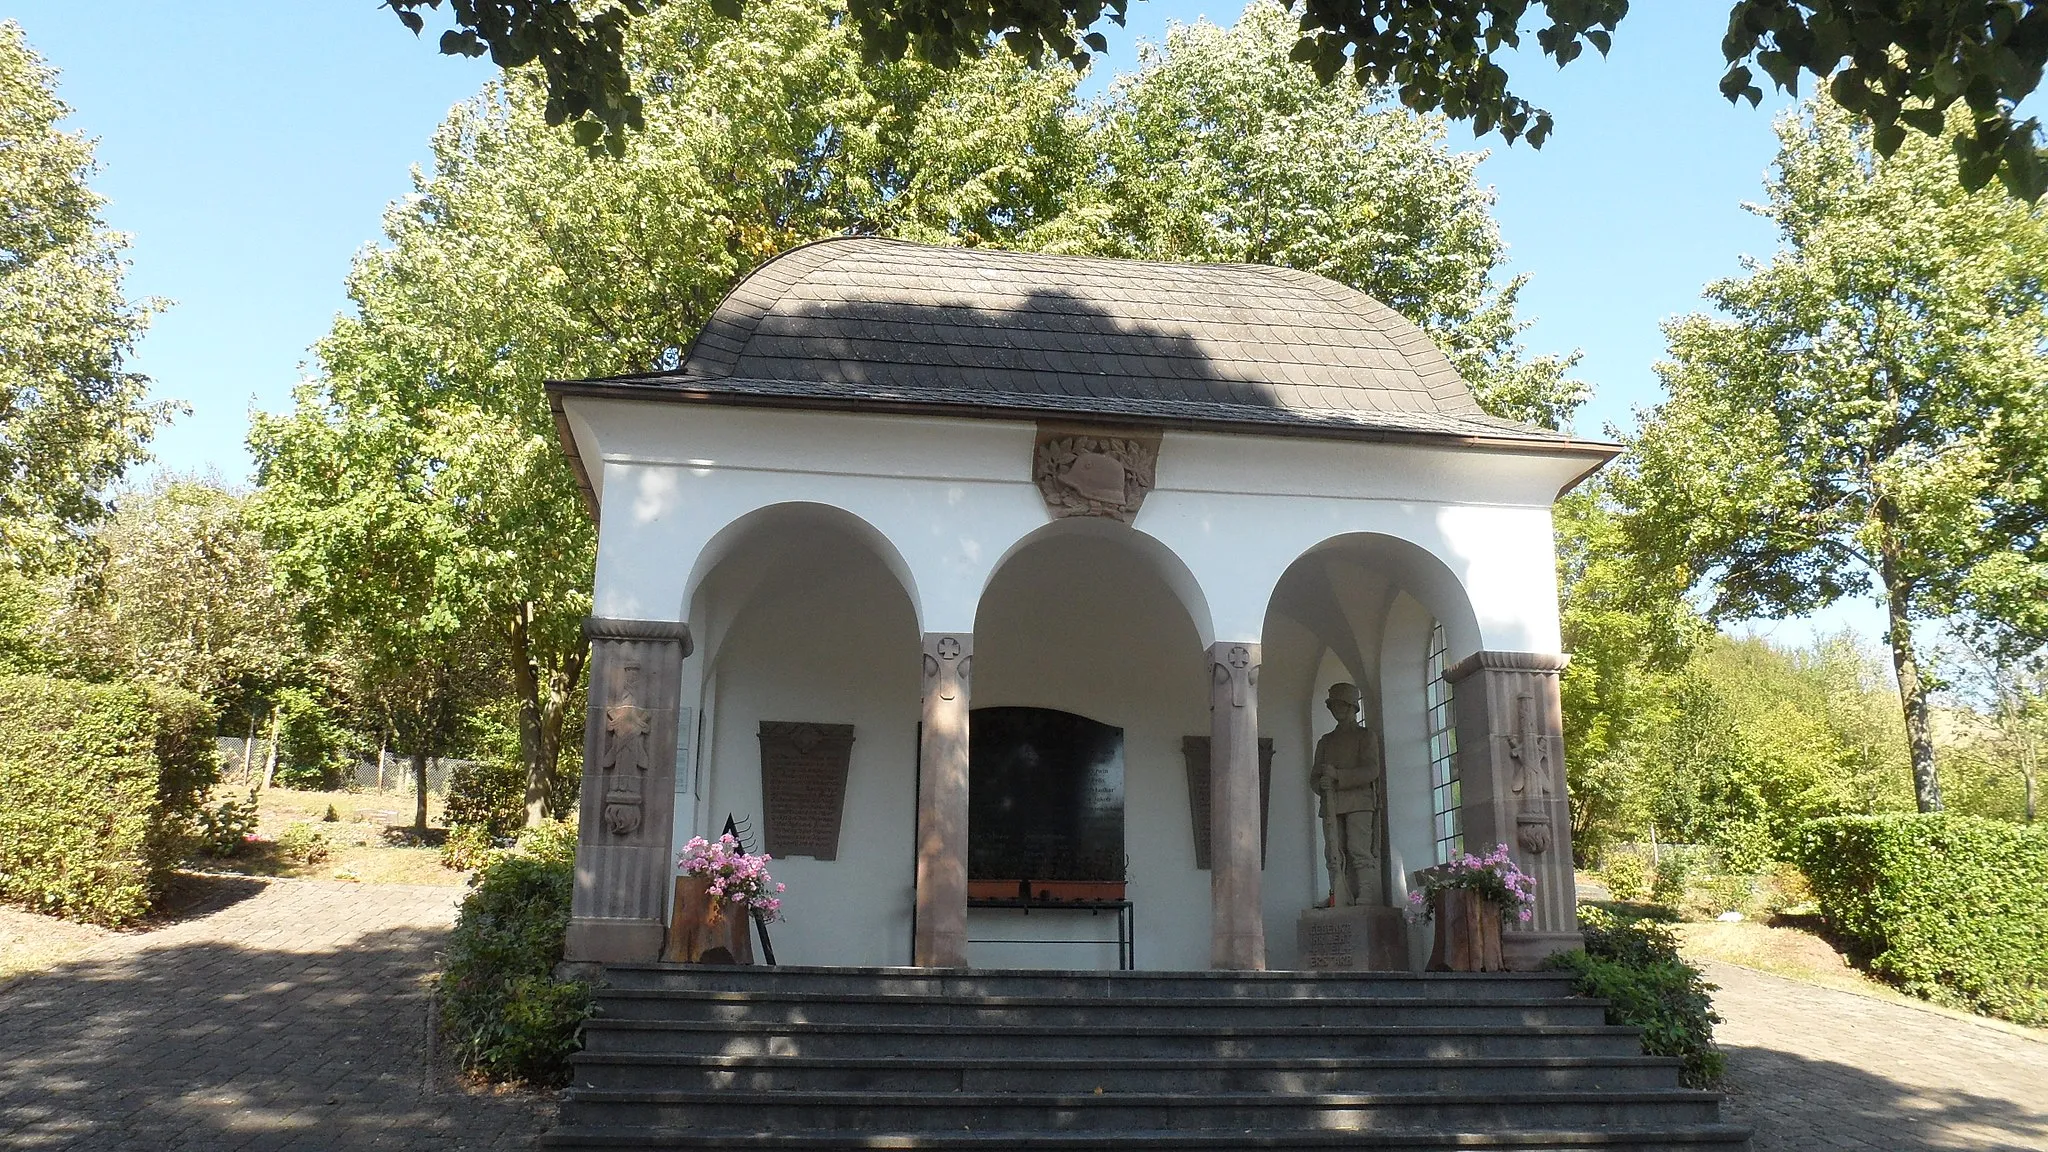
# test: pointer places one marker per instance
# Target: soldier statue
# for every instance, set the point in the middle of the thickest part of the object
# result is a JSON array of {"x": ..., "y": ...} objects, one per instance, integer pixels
[{"x": 1350, "y": 784}]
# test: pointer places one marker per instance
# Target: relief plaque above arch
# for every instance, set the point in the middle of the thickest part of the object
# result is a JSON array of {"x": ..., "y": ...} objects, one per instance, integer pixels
[{"x": 1087, "y": 471}]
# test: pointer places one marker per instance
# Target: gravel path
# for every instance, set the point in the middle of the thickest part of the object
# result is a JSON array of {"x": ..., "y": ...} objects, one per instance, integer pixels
[
  {"x": 1814, "y": 1068},
  {"x": 278, "y": 1015}
]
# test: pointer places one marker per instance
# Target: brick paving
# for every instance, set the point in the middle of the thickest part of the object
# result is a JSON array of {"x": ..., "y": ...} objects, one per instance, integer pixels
[
  {"x": 279, "y": 1015},
  {"x": 1814, "y": 1068}
]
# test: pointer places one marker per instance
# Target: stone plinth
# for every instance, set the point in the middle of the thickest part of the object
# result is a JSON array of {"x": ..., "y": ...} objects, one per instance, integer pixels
[
  {"x": 1511, "y": 763},
  {"x": 1354, "y": 938},
  {"x": 618, "y": 911}
]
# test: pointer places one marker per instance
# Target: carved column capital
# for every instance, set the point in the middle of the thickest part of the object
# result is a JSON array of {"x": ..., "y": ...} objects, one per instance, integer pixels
[
  {"x": 948, "y": 663},
  {"x": 1234, "y": 671}
]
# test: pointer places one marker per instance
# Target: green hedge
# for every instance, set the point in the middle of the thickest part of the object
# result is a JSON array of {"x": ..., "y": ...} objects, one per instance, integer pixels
[
  {"x": 100, "y": 784},
  {"x": 1952, "y": 908},
  {"x": 506, "y": 1015},
  {"x": 1634, "y": 965}
]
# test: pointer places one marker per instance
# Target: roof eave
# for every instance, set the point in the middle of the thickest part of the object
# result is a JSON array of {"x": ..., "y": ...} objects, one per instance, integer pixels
[{"x": 1596, "y": 452}]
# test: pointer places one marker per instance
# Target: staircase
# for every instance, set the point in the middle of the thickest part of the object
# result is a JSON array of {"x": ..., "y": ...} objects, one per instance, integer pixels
[{"x": 819, "y": 1059}]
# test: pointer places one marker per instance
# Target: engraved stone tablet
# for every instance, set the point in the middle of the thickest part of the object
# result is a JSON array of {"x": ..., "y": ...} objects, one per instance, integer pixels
[
  {"x": 1196, "y": 750},
  {"x": 1353, "y": 938},
  {"x": 803, "y": 787}
]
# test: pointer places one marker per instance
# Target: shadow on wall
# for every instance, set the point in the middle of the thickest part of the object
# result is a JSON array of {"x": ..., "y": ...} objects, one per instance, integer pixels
[
  {"x": 1796, "y": 1103},
  {"x": 217, "y": 1045}
]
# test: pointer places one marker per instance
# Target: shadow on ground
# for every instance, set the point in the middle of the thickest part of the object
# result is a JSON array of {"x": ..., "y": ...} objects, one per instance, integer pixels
[
  {"x": 218, "y": 1044},
  {"x": 1797, "y": 1103}
]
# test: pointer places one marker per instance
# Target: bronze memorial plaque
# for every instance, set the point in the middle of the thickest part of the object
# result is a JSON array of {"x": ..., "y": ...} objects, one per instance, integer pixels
[
  {"x": 803, "y": 787},
  {"x": 1196, "y": 749}
]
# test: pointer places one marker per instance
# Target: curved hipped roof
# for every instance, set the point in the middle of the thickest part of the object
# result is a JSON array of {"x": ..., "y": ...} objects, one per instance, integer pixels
[{"x": 887, "y": 326}]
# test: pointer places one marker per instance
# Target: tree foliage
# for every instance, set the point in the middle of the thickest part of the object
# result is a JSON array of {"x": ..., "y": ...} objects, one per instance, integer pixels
[
  {"x": 176, "y": 588},
  {"x": 417, "y": 491},
  {"x": 72, "y": 418},
  {"x": 1870, "y": 412},
  {"x": 1898, "y": 66}
]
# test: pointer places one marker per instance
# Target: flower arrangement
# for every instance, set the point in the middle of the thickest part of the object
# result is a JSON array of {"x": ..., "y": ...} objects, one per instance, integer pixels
[
  {"x": 1492, "y": 877},
  {"x": 736, "y": 878}
]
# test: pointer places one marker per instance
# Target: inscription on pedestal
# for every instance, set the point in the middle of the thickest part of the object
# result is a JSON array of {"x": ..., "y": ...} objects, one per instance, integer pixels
[
  {"x": 1196, "y": 751},
  {"x": 1352, "y": 938},
  {"x": 803, "y": 787}
]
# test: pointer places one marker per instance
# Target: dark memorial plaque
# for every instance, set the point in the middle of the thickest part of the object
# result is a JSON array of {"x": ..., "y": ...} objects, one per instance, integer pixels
[
  {"x": 1045, "y": 796},
  {"x": 1196, "y": 749},
  {"x": 803, "y": 787}
]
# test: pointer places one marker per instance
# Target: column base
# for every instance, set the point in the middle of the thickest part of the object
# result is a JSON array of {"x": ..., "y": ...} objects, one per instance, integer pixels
[
  {"x": 1526, "y": 951},
  {"x": 614, "y": 941}
]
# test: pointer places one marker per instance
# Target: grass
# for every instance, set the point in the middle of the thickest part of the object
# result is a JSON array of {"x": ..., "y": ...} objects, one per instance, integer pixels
[{"x": 369, "y": 840}]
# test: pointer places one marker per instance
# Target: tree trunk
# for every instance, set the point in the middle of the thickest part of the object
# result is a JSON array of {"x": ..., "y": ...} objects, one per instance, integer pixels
[
  {"x": 419, "y": 785},
  {"x": 249, "y": 747},
  {"x": 1898, "y": 592},
  {"x": 270, "y": 760},
  {"x": 543, "y": 695},
  {"x": 2030, "y": 775}
]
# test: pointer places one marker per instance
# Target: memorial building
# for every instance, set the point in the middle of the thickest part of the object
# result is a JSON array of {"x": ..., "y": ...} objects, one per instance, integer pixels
[{"x": 1047, "y": 612}]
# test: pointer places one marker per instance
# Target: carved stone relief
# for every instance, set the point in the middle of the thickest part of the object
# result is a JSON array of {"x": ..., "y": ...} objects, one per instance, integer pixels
[
  {"x": 948, "y": 667},
  {"x": 803, "y": 786},
  {"x": 1083, "y": 473},
  {"x": 1236, "y": 675},
  {"x": 1529, "y": 750},
  {"x": 627, "y": 756}
]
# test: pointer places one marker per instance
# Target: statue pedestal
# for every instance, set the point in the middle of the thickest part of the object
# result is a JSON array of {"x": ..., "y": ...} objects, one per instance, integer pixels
[{"x": 1358, "y": 938}]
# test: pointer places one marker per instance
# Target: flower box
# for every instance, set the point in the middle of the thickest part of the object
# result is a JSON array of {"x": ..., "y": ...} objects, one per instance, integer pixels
[
  {"x": 704, "y": 931},
  {"x": 1467, "y": 933}
]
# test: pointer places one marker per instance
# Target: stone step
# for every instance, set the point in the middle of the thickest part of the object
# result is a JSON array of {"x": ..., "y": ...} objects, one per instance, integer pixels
[
  {"x": 1069, "y": 985},
  {"x": 1043, "y": 1075},
  {"x": 953, "y": 1040},
  {"x": 741, "y": 1112},
  {"x": 804, "y": 1008},
  {"x": 1675, "y": 1138}
]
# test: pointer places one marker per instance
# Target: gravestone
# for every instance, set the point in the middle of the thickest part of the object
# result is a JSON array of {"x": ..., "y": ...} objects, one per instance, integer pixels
[
  {"x": 803, "y": 787},
  {"x": 1045, "y": 796},
  {"x": 1196, "y": 750}
]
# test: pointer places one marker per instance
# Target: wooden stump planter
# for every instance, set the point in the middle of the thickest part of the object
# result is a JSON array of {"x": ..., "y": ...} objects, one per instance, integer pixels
[
  {"x": 697, "y": 936},
  {"x": 1467, "y": 933}
]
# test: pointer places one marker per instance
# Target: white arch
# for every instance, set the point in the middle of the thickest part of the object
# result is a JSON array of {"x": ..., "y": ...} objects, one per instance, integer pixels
[
  {"x": 795, "y": 516},
  {"x": 1410, "y": 568},
  {"x": 1171, "y": 569}
]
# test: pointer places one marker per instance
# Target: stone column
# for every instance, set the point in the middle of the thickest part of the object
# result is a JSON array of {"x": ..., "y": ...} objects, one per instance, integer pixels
[
  {"x": 1237, "y": 924},
  {"x": 941, "y": 940},
  {"x": 624, "y": 875},
  {"x": 1511, "y": 761}
]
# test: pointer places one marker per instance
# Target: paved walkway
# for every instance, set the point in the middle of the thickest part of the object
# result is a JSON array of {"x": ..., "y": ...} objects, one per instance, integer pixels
[
  {"x": 280, "y": 1015},
  {"x": 1813, "y": 1068}
]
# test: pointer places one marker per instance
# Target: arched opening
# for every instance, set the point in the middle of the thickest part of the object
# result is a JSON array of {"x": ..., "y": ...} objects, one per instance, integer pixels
[
  {"x": 804, "y": 618},
  {"x": 1084, "y": 618},
  {"x": 1361, "y": 609}
]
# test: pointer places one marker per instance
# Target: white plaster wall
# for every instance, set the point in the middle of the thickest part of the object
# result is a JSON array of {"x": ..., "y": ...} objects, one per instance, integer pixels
[
  {"x": 1079, "y": 623},
  {"x": 952, "y": 497},
  {"x": 830, "y": 637}
]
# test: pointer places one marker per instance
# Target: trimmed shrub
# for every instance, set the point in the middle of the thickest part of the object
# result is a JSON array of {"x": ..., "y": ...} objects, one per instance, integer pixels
[
  {"x": 224, "y": 829},
  {"x": 505, "y": 1014},
  {"x": 303, "y": 844},
  {"x": 467, "y": 846},
  {"x": 309, "y": 744},
  {"x": 1627, "y": 876},
  {"x": 102, "y": 782},
  {"x": 1634, "y": 965},
  {"x": 1952, "y": 908},
  {"x": 488, "y": 793}
]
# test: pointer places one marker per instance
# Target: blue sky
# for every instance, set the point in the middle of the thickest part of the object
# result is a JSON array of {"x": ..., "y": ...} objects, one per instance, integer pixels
[{"x": 250, "y": 150}]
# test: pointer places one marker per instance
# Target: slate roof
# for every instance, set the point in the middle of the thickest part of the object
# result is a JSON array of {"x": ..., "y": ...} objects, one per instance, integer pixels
[{"x": 881, "y": 324}]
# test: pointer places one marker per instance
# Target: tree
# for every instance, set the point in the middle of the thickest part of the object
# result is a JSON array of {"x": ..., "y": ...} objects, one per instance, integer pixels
[
  {"x": 177, "y": 589},
  {"x": 376, "y": 569},
  {"x": 1871, "y": 412},
  {"x": 1221, "y": 149},
  {"x": 522, "y": 257},
  {"x": 1898, "y": 66},
  {"x": 71, "y": 417}
]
